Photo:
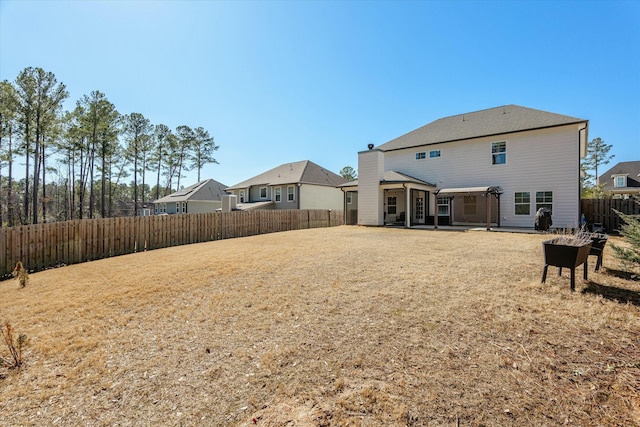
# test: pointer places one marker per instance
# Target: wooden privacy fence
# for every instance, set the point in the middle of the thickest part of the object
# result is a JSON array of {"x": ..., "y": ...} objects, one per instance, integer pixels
[
  {"x": 42, "y": 246},
  {"x": 601, "y": 211}
]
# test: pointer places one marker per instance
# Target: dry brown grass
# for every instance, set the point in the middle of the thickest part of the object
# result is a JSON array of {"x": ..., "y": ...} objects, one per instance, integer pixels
[{"x": 341, "y": 326}]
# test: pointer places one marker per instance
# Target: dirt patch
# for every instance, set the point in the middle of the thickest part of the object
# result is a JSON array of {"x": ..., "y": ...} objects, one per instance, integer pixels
[{"x": 323, "y": 327}]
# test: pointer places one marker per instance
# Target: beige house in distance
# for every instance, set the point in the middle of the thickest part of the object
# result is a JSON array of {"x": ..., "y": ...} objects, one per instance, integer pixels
[
  {"x": 297, "y": 185},
  {"x": 204, "y": 196}
]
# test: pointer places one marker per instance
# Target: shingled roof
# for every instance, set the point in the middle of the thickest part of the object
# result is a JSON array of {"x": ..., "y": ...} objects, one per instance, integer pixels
[
  {"x": 209, "y": 189},
  {"x": 303, "y": 172},
  {"x": 494, "y": 121},
  {"x": 631, "y": 169}
]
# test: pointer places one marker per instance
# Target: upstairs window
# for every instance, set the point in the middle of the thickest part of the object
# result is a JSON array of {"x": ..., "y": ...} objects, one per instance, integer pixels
[
  {"x": 523, "y": 203},
  {"x": 421, "y": 155},
  {"x": 620, "y": 181},
  {"x": 498, "y": 153},
  {"x": 434, "y": 154}
]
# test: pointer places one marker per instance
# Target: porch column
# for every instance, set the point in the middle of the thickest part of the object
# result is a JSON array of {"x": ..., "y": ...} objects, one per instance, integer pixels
[
  {"x": 488, "y": 197},
  {"x": 435, "y": 209},
  {"x": 407, "y": 206}
]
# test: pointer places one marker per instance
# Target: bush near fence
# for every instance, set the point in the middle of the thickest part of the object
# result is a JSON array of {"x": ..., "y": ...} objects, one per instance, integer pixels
[
  {"x": 42, "y": 246},
  {"x": 602, "y": 211}
]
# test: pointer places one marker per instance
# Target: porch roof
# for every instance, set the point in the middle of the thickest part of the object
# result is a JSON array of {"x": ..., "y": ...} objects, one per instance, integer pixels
[
  {"x": 490, "y": 190},
  {"x": 392, "y": 177}
]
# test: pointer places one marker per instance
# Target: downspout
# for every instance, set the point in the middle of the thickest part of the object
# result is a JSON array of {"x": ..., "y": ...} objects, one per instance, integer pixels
[
  {"x": 344, "y": 206},
  {"x": 580, "y": 170}
]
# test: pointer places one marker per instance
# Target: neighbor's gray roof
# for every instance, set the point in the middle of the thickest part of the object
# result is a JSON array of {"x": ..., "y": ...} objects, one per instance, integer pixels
[
  {"x": 391, "y": 177},
  {"x": 304, "y": 172},
  {"x": 631, "y": 169},
  {"x": 206, "y": 190},
  {"x": 494, "y": 121}
]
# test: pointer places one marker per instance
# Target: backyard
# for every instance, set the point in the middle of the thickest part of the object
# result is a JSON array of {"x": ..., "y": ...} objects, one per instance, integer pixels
[{"x": 330, "y": 326}]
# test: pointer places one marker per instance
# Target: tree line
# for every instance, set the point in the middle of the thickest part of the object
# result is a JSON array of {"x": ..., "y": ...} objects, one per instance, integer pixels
[{"x": 91, "y": 162}]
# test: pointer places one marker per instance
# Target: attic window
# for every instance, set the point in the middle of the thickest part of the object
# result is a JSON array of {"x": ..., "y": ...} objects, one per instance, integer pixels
[
  {"x": 421, "y": 155},
  {"x": 434, "y": 154},
  {"x": 620, "y": 181}
]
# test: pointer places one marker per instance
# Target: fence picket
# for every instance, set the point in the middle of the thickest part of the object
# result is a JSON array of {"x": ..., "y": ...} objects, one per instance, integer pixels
[{"x": 42, "y": 246}]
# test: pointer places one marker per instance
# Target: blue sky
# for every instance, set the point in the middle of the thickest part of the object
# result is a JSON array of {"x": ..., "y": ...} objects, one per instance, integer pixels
[{"x": 283, "y": 81}]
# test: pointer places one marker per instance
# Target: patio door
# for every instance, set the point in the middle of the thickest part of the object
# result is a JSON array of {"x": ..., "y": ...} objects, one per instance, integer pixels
[{"x": 418, "y": 207}]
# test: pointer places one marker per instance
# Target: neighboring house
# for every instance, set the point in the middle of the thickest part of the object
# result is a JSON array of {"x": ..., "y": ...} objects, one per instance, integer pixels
[
  {"x": 622, "y": 180},
  {"x": 298, "y": 185},
  {"x": 494, "y": 167},
  {"x": 204, "y": 196}
]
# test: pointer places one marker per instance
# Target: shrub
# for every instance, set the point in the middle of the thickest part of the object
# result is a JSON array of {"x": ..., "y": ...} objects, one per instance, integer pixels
[
  {"x": 630, "y": 254},
  {"x": 14, "y": 345},
  {"x": 21, "y": 274}
]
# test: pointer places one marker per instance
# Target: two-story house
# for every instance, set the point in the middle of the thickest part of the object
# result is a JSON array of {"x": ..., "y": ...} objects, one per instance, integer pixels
[
  {"x": 622, "y": 180},
  {"x": 297, "y": 185},
  {"x": 201, "y": 197},
  {"x": 494, "y": 167}
]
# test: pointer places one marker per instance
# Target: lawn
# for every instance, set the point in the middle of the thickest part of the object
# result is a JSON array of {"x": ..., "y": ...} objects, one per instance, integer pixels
[{"x": 333, "y": 326}]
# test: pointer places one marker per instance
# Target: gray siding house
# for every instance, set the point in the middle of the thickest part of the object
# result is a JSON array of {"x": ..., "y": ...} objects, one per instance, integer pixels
[
  {"x": 297, "y": 185},
  {"x": 204, "y": 196},
  {"x": 622, "y": 180},
  {"x": 494, "y": 167}
]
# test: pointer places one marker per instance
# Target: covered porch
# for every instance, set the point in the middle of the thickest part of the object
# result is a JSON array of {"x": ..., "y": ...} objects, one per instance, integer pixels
[
  {"x": 406, "y": 200},
  {"x": 471, "y": 205}
]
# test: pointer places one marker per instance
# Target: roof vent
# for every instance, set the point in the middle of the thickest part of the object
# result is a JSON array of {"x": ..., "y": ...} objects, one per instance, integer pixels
[{"x": 370, "y": 146}]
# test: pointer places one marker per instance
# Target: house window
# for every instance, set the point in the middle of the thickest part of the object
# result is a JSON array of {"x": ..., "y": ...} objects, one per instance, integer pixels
[
  {"x": 498, "y": 153},
  {"x": 433, "y": 154},
  {"x": 391, "y": 205},
  {"x": 242, "y": 196},
  {"x": 443, "y": 206},
  {"x": 164, "y": 208},
  {"x": 421, "y": 155},
  {"x": 620, "y": 181},
  {"x": 469, "y": 205},
  {"x": 291, "y": 195},
  {"x": 263, "y": 192},
  {"x": 277, "y": 194},
  {"x": 522, "y": 203},
  {"x": 544, "y": 199},
  {"x": 177, "y": 207},
  {"x": 157, "y": 209},
  {"x": 349, "y": 194},
  {"x": 184, "y": 207}
]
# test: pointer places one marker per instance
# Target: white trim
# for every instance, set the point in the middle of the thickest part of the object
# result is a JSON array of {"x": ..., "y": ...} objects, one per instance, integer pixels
[{"x": 292, "y": 193}]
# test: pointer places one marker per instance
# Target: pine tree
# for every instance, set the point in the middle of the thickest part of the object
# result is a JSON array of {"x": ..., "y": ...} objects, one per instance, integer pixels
[{"x": 630, "y": 255}]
